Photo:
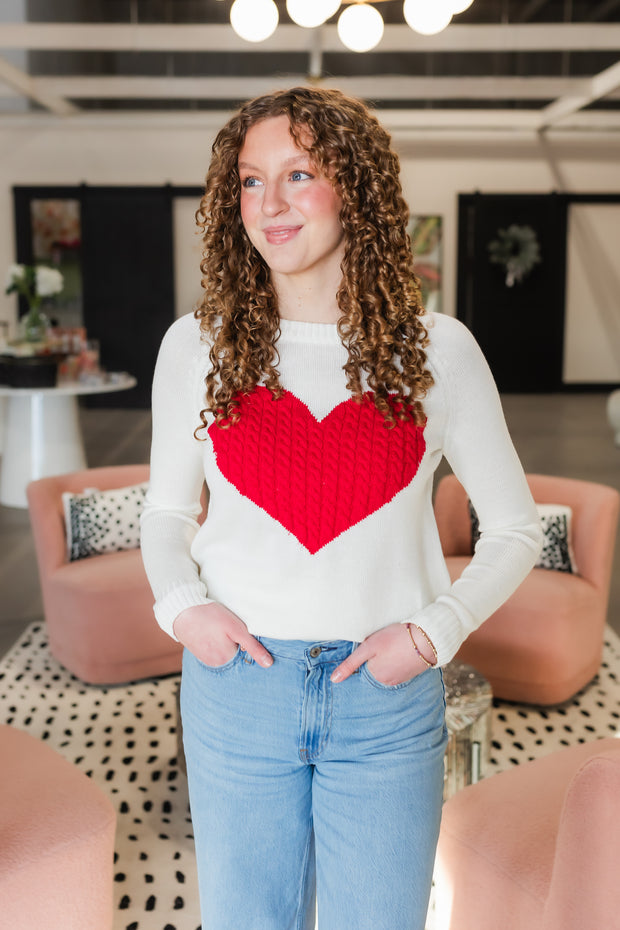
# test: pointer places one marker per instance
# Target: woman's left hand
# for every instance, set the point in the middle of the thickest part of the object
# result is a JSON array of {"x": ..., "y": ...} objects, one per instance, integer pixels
[{"x": 390, "y": 655}]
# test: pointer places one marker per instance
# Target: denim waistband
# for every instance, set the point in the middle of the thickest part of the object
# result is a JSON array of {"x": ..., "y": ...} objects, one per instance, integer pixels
[{"x": 309, "y": 652}]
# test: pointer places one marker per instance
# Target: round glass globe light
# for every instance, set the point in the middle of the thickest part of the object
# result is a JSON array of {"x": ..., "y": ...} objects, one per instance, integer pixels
[
  {"x": 254, "y": 20},
  {"x": 360, "y": 27},
  {"x": 427, "y": 18},
  {"x": 311, "y": 13},
  {"x": 459, "y": 6}
]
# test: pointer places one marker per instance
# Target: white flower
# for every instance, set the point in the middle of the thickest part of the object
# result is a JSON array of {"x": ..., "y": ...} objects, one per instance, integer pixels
[
  {"x": 14, "y": 274},
  {"x": 49, "y": 281}
]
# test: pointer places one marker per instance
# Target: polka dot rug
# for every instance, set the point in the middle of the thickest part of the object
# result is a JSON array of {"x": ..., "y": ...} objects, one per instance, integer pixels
[{"x": 124, "y": 737}]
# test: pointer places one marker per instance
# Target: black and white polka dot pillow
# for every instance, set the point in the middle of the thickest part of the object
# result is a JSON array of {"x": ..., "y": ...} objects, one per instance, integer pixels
[
  {"x": 557, "y": 550},
  {"x": 97, "y": 522}
]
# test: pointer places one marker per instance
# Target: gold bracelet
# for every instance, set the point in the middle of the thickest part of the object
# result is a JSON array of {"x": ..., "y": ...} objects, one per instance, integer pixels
[
  {"x": 428, "y": 640},
  {"x": 415, "y": 646}
]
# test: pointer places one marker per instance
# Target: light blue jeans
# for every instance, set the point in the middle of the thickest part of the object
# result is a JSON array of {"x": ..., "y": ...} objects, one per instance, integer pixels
[{"x": 300, "y": 788}]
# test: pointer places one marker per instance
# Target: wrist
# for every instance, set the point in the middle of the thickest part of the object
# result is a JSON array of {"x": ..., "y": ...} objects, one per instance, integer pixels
[{"x": 422, "y": 645}]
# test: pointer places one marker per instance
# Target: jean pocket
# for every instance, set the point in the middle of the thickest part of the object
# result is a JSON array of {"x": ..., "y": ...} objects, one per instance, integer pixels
[
  {"x": 382, "y": 686},
  {"x": 218, "y": 669}
]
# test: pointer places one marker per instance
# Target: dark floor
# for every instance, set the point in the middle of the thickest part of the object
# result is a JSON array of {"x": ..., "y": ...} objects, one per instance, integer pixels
[{"x": 562, "y": 434}]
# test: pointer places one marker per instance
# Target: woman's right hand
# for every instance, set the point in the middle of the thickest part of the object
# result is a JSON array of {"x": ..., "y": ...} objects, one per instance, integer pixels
[{"x": 212, "y": 633}]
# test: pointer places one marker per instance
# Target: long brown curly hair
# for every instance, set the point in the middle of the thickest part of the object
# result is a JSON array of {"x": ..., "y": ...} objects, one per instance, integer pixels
[{"x": 379, "y": 297}]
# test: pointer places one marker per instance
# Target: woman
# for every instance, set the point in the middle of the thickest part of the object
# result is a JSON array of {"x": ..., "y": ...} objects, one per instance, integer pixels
[{"x": 316, "y": 398}]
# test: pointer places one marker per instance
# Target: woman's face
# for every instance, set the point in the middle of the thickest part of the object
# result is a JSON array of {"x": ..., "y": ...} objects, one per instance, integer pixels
[{"x": 290, "y": 210}]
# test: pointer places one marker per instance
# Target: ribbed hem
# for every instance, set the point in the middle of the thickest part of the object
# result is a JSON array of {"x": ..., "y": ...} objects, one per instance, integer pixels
[
  {"x": 320, "y": 333},
  {"x": 169, "y": 607}
]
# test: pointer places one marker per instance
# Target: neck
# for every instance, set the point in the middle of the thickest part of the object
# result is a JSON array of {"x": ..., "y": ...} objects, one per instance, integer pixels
[{"x": 307, "y": 302}]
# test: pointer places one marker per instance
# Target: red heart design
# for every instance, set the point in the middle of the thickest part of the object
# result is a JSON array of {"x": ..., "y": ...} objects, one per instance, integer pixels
[{"x": 316, "y": 477}]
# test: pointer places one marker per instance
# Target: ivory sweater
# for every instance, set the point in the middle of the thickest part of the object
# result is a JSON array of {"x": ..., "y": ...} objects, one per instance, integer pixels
[{"x": 320, "y": 523}]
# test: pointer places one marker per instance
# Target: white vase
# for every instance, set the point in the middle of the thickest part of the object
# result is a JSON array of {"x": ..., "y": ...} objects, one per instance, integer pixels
[{"x": 34, "y": 326}]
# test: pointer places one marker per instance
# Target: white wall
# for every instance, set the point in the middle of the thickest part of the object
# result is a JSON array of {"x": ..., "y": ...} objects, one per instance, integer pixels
[
  {"x": 592, "y": 328},
  {"x": 187, "y": 253},
  {"x": 433, "y": 174}
]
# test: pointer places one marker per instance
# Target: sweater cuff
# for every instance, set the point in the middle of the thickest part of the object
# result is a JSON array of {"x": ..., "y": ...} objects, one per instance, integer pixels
[
  {"x": 168, "y": 608},
  {"x": 443, "y": 627}
]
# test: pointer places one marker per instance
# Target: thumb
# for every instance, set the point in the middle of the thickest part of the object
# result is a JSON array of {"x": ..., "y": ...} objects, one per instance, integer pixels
[
  {"x": 351, "y": 663},
  {"x": 256, "y": 650}
]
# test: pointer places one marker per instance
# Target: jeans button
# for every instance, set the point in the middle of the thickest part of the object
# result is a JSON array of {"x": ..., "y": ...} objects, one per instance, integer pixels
[{"x": 315, "y": 651}]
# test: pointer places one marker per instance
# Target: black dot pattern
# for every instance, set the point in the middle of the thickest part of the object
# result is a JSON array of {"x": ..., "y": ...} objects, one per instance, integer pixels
[
  {"x": 103, "y": 521},
  {"x": 124, "y": 737}
]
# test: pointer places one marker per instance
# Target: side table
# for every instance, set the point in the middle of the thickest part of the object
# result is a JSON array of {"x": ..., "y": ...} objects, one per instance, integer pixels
[
  {"x": 468, "y": 718},
  {"x": 42, "y": 434}
]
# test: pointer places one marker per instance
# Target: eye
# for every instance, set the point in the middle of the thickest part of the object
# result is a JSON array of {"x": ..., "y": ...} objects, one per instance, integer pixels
[
  {"x": 300, "y": 175},
  {"x": 249, "y": 182}
]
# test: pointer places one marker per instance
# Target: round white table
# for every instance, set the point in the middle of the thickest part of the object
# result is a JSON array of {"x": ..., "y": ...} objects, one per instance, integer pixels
[{"x": 42, "y": 434}]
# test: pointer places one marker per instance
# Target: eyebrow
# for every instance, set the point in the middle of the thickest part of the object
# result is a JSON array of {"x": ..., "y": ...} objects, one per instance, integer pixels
[{"x": 289, "y": 161}]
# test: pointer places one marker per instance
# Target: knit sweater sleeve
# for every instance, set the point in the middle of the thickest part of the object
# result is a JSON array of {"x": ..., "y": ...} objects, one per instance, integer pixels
[
  {"x": 479, "y": 449},
  {"x": 173, "y": 503}
]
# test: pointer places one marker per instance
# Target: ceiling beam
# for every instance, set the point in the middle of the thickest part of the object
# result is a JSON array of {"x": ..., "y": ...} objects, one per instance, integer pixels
[
  {"x": 221, "y": 38},
  {"x": 597, "y": 127},
  {"x": 379, "y": 87},
  {"x": 592, "y": 125},
  {"x": 601, "y": 85},
  {"x": 27, "y": 86}
]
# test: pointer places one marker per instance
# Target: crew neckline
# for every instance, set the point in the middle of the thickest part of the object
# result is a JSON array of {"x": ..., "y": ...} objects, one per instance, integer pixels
[{"x": 301, "y": 331}]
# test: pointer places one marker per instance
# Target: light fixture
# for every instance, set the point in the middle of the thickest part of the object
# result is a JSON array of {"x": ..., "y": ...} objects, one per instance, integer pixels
[
  {"x": 459, "y": 6},
  {"x": 311, "y": 15},
  {"x": 360, "y": 27},
  {"x": 427, "y": 18},
  {"x": 254, "y": 20}
]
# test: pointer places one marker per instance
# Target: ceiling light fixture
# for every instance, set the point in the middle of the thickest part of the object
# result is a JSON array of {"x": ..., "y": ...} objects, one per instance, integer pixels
[
  {"x": 313, "y": 14},
  {"x": 427, "y": 18},
  {"x": 360, "y": 26},
  {"x": 254, "y": 20}
]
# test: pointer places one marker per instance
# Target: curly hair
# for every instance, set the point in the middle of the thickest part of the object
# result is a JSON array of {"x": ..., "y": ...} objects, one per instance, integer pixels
[{"x": 379, "y": 296}]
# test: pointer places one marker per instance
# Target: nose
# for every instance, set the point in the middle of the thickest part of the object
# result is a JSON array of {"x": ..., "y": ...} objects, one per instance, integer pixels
[{"x": 274, "y": 200}]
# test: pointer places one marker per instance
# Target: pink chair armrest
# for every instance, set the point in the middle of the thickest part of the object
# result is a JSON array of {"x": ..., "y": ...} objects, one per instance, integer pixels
[{"x": 584, "y": 889}]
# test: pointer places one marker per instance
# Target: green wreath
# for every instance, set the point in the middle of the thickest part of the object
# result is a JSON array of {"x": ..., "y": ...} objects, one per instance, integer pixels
[{"x": 517, "y": 250}]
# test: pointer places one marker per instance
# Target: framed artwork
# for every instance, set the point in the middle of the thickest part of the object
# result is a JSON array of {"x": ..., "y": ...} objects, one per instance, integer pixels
[
  {"x": 426, "y": 240},
  {"x": 56, "y": 233}
]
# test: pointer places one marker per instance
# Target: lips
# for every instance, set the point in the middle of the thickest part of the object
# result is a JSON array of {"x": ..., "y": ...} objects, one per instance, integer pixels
[{"x": 276, "y": 235}]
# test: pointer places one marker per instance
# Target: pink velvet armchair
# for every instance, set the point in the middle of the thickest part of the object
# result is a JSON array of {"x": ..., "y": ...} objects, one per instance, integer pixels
[
  {"x": 545, "y": 642},
  {"x": 536, "y": 847},
  {"x": 57, "y": 830},
  {"x": 98, "y": 610}
]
